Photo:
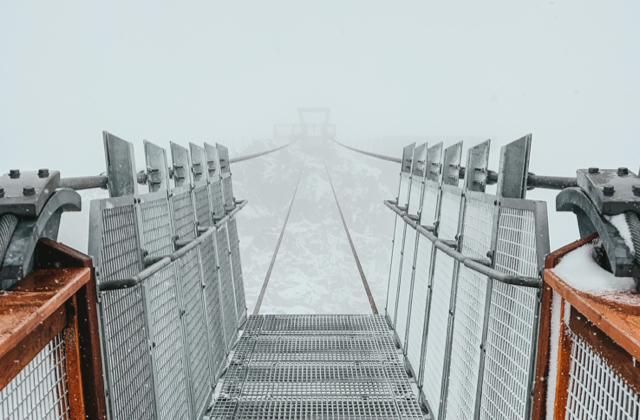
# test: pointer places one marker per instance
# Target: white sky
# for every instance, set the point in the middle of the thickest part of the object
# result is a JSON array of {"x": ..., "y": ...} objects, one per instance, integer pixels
[{"x": 567, "y": 71}]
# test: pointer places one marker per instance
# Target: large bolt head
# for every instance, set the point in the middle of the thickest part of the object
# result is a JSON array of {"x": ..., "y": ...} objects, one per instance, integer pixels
[
  {"x": 636, "y": 190},
  {"x": 1, "y": 192},
  {"x": 622, "y": 171},
  {"x": 43, "y": 173},
  {"x": 594, "y": 170},
  {"x": 28, "y": 190},
  {"x": 608, "y": 190},
  {"x": 14, "y": 173}
]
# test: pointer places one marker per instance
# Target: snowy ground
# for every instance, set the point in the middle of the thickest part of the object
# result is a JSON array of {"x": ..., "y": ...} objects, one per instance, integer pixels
[{"x": 315, "y": 271}]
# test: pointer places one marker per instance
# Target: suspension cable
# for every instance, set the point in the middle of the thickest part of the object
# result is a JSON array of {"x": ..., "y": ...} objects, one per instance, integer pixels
[
  {"x": 255, "y": 155},
  {"x": 256, "y": 310},
  {"x": 375, "y": 155},
  {"x": 353, "y": 248}
]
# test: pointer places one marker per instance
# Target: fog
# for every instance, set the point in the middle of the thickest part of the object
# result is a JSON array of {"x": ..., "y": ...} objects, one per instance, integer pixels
[{"x": 566, "y": 71}]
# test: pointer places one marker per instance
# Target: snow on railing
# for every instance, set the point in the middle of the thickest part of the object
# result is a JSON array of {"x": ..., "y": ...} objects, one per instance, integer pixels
[
  {"x": 465, "y": 277},
  {"x": 171, "y": 292}
]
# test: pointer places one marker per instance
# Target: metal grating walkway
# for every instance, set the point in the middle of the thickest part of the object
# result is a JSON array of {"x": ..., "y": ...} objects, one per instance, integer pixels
[{"x": 316, "y": 367}]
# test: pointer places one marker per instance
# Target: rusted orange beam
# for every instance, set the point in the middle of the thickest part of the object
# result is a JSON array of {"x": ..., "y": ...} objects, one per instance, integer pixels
[{"x": 59, "y": 296}]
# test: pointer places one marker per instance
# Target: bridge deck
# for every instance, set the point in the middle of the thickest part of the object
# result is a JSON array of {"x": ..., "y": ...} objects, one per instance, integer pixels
[{"x": 316, "y": 367}]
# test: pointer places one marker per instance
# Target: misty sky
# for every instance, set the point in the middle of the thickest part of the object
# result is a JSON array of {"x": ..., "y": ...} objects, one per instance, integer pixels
[{"x": 567, "y": 71}]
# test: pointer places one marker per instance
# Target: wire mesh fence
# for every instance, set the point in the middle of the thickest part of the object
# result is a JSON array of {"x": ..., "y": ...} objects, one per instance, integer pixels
[
  {"x": 165, "y": 340},
  {"x": 469, "y": 338}
]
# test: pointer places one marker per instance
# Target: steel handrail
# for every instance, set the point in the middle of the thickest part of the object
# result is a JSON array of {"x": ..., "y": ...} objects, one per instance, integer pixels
[
  {"x": 470, "y": 262},
  {"x": 168, "y": 259}
]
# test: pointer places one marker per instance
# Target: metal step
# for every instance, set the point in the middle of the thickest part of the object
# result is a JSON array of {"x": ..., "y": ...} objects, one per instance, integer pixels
[{"x": 316, "y": 367}]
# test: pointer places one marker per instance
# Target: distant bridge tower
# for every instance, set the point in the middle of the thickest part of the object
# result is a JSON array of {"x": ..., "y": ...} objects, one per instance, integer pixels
[{"x": 314, "y": 126}]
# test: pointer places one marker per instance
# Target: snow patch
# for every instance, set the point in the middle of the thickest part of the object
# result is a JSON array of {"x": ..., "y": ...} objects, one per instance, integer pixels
[
  {"x": 579, "y": 270},
  {"x": 620, "y": 223}
]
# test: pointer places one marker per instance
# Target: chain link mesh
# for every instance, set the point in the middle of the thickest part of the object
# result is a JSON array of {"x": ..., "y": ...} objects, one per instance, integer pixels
[{"x": 39, "y": 391}]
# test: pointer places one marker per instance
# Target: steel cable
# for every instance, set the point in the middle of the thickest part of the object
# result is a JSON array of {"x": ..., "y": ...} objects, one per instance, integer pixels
[
  {"x": 634, "y": 227},
  {"x": 8, "y": 224}
]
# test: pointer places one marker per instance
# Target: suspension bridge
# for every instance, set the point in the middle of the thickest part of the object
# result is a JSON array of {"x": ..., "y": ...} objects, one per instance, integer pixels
[{"x": 480, "y": 320}]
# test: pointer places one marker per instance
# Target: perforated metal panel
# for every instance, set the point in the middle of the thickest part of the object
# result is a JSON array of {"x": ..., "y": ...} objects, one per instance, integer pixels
[
  {"x": 440, "y": 302},
  {"x": 406, "y": 276},
  {"x": 238, "y": 282},
  {"x": 595, "y": 391},
  {"x": 512, "y": 320},
  {"x": 196, "y": 330},
  {"x": 226, "y": 287},
  {"x": 39, "y": 391},
  {"x": 469, "y": 311},
  {"x": 168, "y": 347}
]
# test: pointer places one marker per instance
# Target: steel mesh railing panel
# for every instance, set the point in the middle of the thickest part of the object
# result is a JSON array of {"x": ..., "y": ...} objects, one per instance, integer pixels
[
  {"x": 449, "y": 214},
  {"x": 226, "y": 287},
  {"x": 394, "y": 273},
  {"x": 435, "y": 351},
  {"x": 203, "y": 210},
  {"x": 403, "y": 196},
  {"x": 126, "y": 350},
  {"x": 124, "y": 323},
  {"x": 512, "y": 320},
  {"x": 119, "y": 245},
  {"x": 406, "y": 274},
  {"x": 183, "y": 216},
  {"x": 196, "y": 330},
  {"x": 168, "y": 346},
  {"x": 416, "y": 190},
  {"x": 419, "y": 303},
  {"x": 429, "y": 204},
  {"x": 227, "y": 191},
  {"x": 437, "y": 334},
  {"x": 156, "y": 227},
  {"x": 238, "y": 283},
  {"x": 595, "y": 391},
  {"x": 39, "y": 391},
  {"x": 217, "y": 201},
  {"x": 215, "y": 319},
  {"x": 469, "y": 313}
]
